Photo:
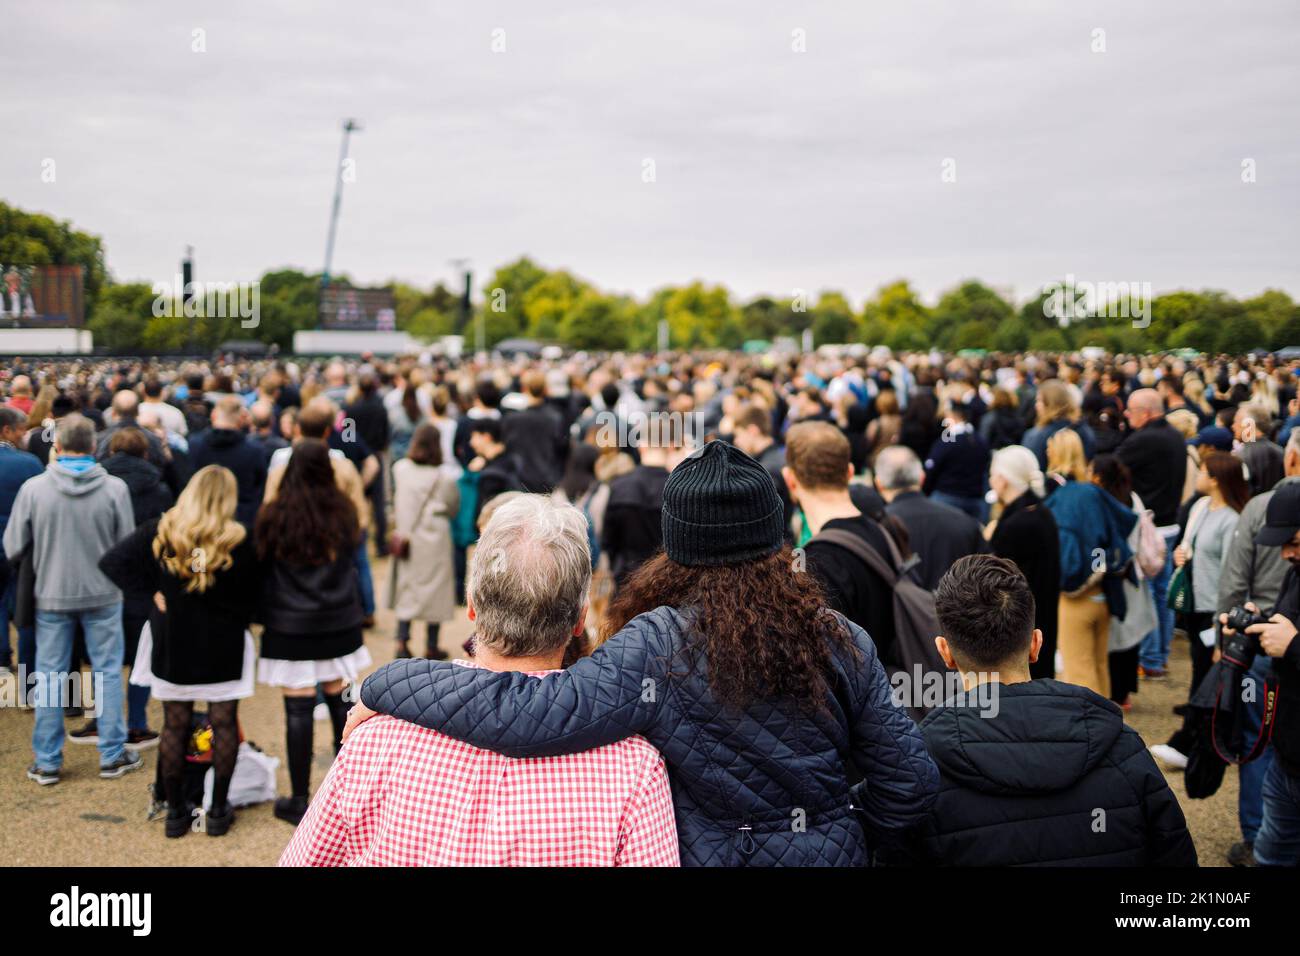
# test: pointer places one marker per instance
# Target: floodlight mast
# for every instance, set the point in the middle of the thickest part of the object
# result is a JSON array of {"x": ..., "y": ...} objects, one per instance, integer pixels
[{"x": 349, "y": 126}]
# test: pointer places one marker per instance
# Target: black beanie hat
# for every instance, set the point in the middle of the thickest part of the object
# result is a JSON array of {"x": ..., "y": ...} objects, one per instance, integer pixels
[{"x": 721, "y": 507}]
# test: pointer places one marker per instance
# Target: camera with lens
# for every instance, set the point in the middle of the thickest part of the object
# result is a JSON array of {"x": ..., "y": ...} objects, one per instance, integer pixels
[{"x": 1240, "y": 648}]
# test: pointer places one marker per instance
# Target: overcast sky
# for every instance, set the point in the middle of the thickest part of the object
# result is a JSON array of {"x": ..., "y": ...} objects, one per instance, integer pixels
[{"x": 774, "y": 169}]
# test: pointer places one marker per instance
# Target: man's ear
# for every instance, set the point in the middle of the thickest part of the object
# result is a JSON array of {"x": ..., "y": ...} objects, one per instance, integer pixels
[
  {"x": 791, "y": 482},
  {"x": 581, "y": 626},
  {"x": 941, "y": 645},
  {"x": 1035, "y": 646},
  {"x": 469, "y": 609},
  {"x": 850, "y": 471}
]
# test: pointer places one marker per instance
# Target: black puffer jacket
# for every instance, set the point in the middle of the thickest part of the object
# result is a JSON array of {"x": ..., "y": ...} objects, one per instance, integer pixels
[{"x": 1054, "y": 779}]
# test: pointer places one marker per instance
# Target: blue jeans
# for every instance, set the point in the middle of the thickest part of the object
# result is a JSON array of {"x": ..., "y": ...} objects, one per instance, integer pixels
[
  {"x": 364, "y": 579},
  {"x": 26, "y": 635},
  {"x": 137, "y": 697},
  {"x": 975, "y": 507},
  {"x": 1250, "y": 795},
  {"x": 1278, "y": 841},
  {"x": 103, "y": 629},
  {"x": 1153, "y": 653}
]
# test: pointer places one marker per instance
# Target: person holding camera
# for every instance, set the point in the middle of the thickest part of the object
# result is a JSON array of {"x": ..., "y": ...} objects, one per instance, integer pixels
[
  {"x": 1255, "y": 573},
  {"x": 1278, "y": 840}
]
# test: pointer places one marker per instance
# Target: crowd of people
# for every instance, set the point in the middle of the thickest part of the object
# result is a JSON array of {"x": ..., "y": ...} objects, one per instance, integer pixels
[{"x": 730, "y": 572}]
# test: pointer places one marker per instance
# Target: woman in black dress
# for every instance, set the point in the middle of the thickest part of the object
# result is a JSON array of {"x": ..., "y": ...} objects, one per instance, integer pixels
[
  {"x": 197, "y": 566},
  {"x": 1026, "y": 534}
]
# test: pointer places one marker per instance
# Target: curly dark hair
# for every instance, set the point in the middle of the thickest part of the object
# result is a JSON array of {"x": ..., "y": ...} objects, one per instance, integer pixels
[
  {"x": 309, "y": 521},
  {"x": 763, "y": 626}
]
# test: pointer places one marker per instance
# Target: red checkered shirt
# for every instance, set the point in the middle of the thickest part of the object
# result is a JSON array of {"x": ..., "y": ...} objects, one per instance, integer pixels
[{"x": 402, "y": 795}]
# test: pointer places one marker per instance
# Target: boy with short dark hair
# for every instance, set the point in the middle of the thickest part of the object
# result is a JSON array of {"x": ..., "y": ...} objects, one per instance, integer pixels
[{"x": 1040, "y": 772}]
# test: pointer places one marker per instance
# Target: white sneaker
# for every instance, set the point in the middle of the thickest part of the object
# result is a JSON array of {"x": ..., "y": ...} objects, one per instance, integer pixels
[
  {"x": 1170, "y": 757},
  {"x": 320, "y": 712}
]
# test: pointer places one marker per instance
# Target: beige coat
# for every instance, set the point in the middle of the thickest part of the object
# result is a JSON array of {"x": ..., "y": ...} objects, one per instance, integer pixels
[{"x": 422, "y": 587}]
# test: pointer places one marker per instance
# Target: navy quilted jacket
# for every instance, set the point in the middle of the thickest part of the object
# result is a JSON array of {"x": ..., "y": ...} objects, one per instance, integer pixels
[{"x": 766, "y": 786}]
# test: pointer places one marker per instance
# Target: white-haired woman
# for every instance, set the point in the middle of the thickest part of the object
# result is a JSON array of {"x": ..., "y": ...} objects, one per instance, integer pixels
[
  {"x": 199, "y": 563},
  {"x": 1026, "y": 534}
]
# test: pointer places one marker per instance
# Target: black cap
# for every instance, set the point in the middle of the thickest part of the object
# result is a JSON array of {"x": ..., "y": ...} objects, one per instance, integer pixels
[
  {"x": 1282, "y": 520},
  {"x": 721, "y": 507}
]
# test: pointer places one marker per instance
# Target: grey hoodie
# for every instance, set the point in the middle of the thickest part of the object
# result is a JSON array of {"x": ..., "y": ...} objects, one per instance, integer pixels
[{"x": 70, "y": 520}]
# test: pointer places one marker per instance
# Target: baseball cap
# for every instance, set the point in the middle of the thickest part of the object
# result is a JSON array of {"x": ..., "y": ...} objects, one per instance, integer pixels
[
  {"x": 1282, "y": 520},
  {"x": 1215, "y": 436}
]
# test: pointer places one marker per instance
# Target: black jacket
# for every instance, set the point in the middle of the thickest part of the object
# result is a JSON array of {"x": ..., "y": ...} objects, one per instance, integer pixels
[
  {"x": 1286, "y": 728},
  {"x": 1026, "y": 535},
  {"x": 633, "y": 529},
  {"x": 937, "y": 534},
  {"x": 371, "y": 418},
  {"x": 958, "y": 465},
  {"x": 231, "y": 449},
  {"x": 150, "y": 497},
  {"x": 158, "y": 455},
  {"x": 854, "y": 589},
  {"x": 1002, "y": 427},
  {"x": 498, "y": 476},
  {"x": 311, "y": 612},
  {"x": 540, "y": 443},
  {"x": 200, "y": 638},
  {"x": 1157, "y": 456},
  {"x": 1054, "y": 778}
]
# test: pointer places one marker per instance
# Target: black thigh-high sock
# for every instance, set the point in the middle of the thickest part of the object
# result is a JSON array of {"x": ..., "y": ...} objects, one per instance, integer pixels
[
  {"x": 338, "y": 709},
  {"x": 298, "y": 731},
  {"x": 225, "y": 749},
  {"x": 171, "y": 752}
]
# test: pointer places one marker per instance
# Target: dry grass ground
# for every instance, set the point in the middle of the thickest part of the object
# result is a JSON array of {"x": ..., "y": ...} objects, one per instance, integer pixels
[{"x": 85, "y": 821}]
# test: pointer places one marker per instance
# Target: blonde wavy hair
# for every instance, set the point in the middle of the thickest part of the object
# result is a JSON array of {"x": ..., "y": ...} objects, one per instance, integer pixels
[
  {"x": 195, "y": 538},
  {"x": 1065, "y": 455}
]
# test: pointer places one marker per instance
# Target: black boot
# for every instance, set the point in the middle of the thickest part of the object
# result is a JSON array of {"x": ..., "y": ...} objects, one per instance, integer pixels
[
  {"x": 291, "y": 809},
  {"x": 180, "y": 819},
  {"x": 220, "y": 819}
]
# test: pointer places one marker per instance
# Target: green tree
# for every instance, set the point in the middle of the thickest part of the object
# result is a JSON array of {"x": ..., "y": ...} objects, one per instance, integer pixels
[
  {"x": 1239, "y": 335},
  {"x": 121, "y": 315},
  {"x": 1012, "y": 335},
  {"x": 701, "y": 316},
  {"x": 548, "y": 300},
  {"x": 503, "y": 309},
  {"x": 1049, "y": 340},
  {"x": 33, "y": 239},
  {"x": 971, "y": 301},
  {"x": 833, "y": 321},
  {"x": 597, "y": 321},
  {"x": 289, "y": 303}
]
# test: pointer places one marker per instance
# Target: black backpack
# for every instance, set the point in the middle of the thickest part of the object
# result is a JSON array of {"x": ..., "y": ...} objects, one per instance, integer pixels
[{"x": 915, "y": 622}]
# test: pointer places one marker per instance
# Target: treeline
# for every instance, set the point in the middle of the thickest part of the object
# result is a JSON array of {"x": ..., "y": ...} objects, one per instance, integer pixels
[{"x": 525, "y": 299}]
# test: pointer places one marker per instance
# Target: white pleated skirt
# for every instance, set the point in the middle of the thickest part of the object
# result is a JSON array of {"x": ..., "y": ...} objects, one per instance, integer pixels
[
  {"x": 302, "y": 674},
  {"x": 143, "y": 676}
]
